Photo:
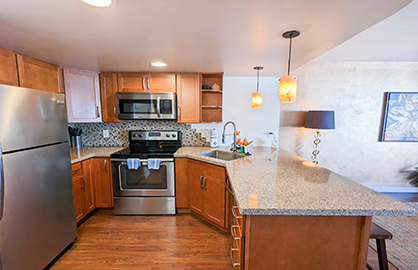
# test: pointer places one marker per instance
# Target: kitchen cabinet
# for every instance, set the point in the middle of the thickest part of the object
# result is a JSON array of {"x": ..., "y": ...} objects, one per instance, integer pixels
[
  {"x": 37, "y": 74},
  {"x": 182, "y": 185},
  {"x": 212, "y": 98},
  {"x": 89, "y": 198},
  {"x": 108, "y": 91},
  {"x": 103, "y": 183},
  {"x": 8, "y": 68},
  {"x": 188, "y": 97},
  {"x": 82, "y": 93},
  {"x": 146, "y": 82},
  {"x": 207, "y": 194},
  {"x": 79, "y": 203}
]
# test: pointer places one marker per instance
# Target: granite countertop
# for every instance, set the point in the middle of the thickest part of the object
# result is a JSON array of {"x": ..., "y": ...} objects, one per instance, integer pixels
[
  {"x": 83, "y": 153},
  {"x": 277, "y": 182}
]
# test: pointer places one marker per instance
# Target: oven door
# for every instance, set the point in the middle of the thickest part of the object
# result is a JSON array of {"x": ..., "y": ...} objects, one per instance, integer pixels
[
  {"x": 146, "y": 106},
  {"x": 143, "y": 182}
]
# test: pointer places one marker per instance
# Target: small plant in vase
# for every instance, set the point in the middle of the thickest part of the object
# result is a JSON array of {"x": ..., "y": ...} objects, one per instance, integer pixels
[
  {"x": 243, "y": 143},
  {"x": 413, "y": 177}
]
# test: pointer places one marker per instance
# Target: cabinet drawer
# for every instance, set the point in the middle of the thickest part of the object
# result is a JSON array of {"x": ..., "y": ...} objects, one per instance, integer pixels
[
  {"x": 207, "y": 169},
  {"x": 76, "y": 169}
]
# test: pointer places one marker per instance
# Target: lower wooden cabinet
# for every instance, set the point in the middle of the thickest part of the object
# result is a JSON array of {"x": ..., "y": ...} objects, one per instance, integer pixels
[
  {"x": 92, "y": 186},
  {"x": 207, "y": 193},
  {"x": 103, "y": 182}
]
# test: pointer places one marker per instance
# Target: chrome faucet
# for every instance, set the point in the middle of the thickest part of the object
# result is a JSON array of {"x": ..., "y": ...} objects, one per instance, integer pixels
[{"x": 234, "y": 147}]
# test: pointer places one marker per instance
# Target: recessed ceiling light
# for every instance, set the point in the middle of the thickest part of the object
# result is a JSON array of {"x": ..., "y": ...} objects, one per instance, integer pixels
[
  {"x": 159, "y": 64},
  {"x": 99, "y": 3}
]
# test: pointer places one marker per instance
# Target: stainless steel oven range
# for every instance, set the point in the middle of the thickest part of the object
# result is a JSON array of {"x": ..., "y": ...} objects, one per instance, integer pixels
[{"x": 146, "y": 191}]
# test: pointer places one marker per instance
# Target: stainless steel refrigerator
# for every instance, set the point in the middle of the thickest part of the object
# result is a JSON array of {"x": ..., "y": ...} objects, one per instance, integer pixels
[{"x": 37, "y": 218}]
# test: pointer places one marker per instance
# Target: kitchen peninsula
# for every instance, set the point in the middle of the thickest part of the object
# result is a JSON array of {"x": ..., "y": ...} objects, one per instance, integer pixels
[{"x": 293, "y": 214}]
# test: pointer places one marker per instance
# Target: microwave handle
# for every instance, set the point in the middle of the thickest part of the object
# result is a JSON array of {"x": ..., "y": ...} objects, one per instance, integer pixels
[{"x": 158, "y": 107}]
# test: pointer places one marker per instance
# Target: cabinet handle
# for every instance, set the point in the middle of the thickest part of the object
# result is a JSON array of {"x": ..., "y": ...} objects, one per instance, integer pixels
[
  {"x": 204, "y": 183},
  {"x": 143, "y": 83},
  {"x": 76, "y": 171},
  {"x": 148, "y": 84},
  {"x": 84, "y": 181},
  {"x": 98, "y": 111},
  {"x": 105, "y": 164},
  {"x": 233, "y": 212},
  {"x": 232, "y": 257},
  {"x": 115, "y": 112},
  {"x": 200, "y": 181},
  {"x": 179, "y": 109},
  {"x": 232, "y": 232}
]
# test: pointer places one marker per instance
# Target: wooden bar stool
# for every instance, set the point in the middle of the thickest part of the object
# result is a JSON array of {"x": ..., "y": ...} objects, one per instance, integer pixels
[{"x": 380, "y": 234}]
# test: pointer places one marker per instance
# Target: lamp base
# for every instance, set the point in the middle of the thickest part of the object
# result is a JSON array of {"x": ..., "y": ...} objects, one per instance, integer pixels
[{"x": 316, "y": 143}]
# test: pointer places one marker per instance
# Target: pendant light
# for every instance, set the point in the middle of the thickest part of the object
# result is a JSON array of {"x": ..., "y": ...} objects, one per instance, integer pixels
[
  {"x": 257, "y": 100},
  {"x": 288, "y": 84}
]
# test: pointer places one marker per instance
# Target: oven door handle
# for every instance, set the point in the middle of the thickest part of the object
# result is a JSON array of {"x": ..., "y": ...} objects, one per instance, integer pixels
[{"x": 120, "y": 176}]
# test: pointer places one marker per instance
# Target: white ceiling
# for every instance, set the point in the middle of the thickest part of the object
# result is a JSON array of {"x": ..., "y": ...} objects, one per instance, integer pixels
[
  {"x": 393, "y": 39},
  {"x": 190, "y": 35}
]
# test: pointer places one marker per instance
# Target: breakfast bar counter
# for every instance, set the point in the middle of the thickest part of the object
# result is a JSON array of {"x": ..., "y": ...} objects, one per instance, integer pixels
[{"x": 293, "y": 214}]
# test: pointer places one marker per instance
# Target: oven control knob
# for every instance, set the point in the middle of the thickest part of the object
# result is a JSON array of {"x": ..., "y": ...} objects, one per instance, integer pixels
[
  {"x": 167, "y": 135},
  {"x": 140, "y": 135},
  {"x": 174, "y": 135}
]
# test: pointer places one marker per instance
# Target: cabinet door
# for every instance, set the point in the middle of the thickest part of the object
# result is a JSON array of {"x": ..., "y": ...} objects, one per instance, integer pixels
[
  {"x": 196, "y": 193},
  {"x": 103, "y": 182},
  {"x": 161, "y": 82},
  {"x": 108, "y": 90},
  {"x": 8, "y": 68},
  {"x": 79, "y": 203},
  {"x": 132, "y": 82},
  {"x": 88, "y": 185},
  {"x": 82, "y": 93},
  {"x": 182, "y": 184},
  {"x": 37, "y": 74},
  {"x": 188, "y": 98},
  {"x": 214, "y": 200}
]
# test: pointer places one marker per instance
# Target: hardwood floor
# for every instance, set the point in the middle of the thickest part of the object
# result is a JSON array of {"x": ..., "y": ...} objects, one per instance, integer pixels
[{"x": 106, "y": 241}]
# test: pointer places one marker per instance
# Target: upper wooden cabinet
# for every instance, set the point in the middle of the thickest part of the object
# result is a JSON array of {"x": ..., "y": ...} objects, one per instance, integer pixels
[
  {"x": 212, "y": 98},
  {"x": 82, "y": 92},
  {"x": 146, "y": 82},
  {"x": 8, "y": 68},
  {"x": 108, "y": 90},
  {"x": 37, "y": 74},
  {"x": 188, "y": 97}
]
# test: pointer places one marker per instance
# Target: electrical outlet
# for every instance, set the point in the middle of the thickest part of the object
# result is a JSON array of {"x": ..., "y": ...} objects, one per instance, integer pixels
[{"x": 106, "y": 133}]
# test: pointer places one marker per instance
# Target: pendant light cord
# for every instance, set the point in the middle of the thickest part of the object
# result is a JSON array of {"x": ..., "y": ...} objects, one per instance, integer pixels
[
  {"x": 258, "y": 76},
  {"x": 290, "y": 54}
]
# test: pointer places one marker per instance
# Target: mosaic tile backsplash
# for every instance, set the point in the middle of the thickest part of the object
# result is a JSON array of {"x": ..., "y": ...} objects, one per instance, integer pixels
[{"x": 118, "y": 132}]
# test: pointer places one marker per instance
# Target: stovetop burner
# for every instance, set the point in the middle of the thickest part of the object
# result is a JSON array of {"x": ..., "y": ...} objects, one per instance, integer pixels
[{"x": 150, "y": 144}]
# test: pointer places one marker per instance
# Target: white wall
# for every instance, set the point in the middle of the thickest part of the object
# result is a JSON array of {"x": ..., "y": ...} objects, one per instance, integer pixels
[
  {"x": 253, "y": 123},
  {"x": 355, "y": 91}
]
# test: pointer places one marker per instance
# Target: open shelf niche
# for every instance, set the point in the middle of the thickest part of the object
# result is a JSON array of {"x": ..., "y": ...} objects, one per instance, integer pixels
[{"x": 212, "y": 99}]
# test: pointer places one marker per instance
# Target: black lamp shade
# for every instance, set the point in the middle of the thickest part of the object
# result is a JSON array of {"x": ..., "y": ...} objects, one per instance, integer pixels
[{"x": 320, "y": 120}]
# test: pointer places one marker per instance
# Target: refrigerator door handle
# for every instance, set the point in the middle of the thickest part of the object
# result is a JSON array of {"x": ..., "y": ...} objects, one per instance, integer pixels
[{"x": 1, "y": 184}]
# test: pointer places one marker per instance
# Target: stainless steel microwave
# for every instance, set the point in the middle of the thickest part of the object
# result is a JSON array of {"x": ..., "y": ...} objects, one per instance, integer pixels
[{"x": 149, "y": 105}]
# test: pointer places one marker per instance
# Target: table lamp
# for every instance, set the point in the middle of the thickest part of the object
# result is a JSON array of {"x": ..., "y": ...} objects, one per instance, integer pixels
[{"x": 319, "y": 120}]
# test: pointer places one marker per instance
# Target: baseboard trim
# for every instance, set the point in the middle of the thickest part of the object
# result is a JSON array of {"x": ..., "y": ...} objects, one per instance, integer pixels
[{"x": 395, "y": 189}]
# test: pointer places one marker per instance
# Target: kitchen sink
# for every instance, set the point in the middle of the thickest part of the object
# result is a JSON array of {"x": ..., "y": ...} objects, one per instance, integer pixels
[{"x": 222, "y": 155}]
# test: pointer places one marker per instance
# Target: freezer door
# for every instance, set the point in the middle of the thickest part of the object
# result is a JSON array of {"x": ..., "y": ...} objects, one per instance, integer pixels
[
  {"x": 38, "y": 208},
  {"x": 31, "y": 118}
]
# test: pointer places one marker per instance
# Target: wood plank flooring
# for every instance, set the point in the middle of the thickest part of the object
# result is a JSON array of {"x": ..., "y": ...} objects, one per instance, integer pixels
[{"x": 106, "y": 241}]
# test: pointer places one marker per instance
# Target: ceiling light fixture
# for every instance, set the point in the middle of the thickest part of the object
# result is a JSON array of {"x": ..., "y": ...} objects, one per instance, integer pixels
[
  {"x": 288, "y": 84},
  {"x": 159, "y": 64},
  {"x": 257, "y": 100},
  {"x": 99, "y": 3}
]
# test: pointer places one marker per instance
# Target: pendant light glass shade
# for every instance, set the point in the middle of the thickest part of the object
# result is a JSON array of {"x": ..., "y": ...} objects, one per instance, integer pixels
[
  {"x": 257, "y": 100},
  {"x": 287, "y": 89},
  {"x": 288, "y": 84}
]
